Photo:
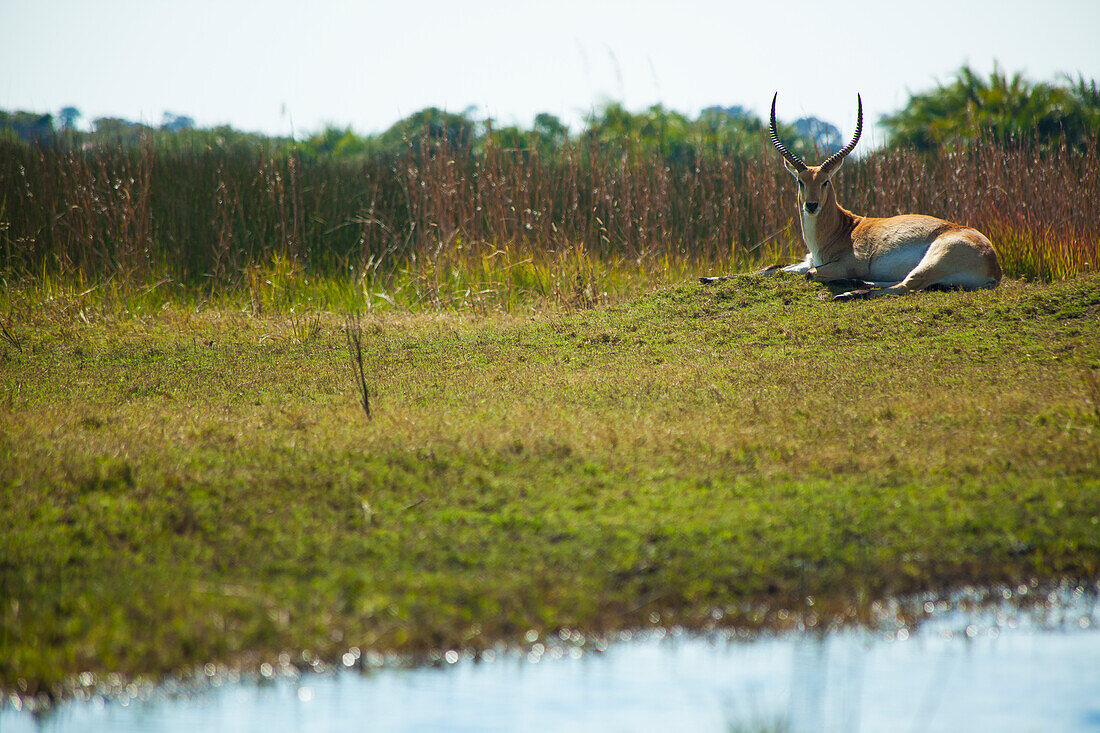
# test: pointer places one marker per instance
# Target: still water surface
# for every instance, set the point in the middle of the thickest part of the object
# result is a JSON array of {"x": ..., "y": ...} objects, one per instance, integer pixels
[{"x": 998, "y": 669}]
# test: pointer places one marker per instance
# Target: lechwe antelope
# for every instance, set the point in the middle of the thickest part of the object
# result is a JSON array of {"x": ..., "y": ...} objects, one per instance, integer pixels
[{"x": 893, "y": 255}]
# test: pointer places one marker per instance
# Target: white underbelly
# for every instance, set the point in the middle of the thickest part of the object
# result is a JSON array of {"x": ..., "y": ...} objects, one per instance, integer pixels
[{"x": 896, "y": 264}]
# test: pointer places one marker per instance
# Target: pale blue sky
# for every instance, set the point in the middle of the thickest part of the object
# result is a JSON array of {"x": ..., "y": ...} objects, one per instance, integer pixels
[{"x": 264, "y": 66}]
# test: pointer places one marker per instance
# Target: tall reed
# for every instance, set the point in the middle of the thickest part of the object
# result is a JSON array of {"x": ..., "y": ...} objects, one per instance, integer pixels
[{"x": 451, "y": 227}]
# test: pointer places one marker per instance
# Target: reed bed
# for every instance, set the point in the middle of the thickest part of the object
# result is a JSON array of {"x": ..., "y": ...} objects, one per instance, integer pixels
[{"x": 447, "y": 226}]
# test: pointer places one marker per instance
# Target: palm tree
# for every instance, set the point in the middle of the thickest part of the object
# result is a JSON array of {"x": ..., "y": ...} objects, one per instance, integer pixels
[{"x": 1002, "y": 108}]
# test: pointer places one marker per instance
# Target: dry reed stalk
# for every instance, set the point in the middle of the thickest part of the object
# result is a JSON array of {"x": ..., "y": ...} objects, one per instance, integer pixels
[
  {"x": 353, "y": 332},
  {"x": 9, "y": 338}
]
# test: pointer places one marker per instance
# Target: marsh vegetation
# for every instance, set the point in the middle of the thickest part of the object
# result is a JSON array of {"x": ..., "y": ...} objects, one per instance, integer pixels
[{"x": 547, "y": 425}]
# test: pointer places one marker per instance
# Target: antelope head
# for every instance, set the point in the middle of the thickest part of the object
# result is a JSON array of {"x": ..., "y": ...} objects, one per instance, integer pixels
[{"x": 815, "y": 190}]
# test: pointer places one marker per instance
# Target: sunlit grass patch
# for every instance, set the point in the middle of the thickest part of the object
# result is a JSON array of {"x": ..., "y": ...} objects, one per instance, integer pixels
[{"x": 185, "y": 480}]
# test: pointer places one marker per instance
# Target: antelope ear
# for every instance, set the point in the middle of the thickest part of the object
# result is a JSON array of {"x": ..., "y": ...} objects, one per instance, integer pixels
[{"x": 790, "y": 168}]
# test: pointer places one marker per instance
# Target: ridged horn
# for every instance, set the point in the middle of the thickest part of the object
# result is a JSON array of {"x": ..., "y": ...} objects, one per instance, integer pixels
[
  {"x": 791, "y": 158},
  {"x": 834, "y": 160}
]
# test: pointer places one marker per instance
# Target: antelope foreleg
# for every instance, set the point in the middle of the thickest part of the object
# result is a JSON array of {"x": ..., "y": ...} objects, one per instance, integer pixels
[
  {"x": 798, "y": 268},
  {"x": 828, "y": 272},
  {"x": 769, "y": 270}
]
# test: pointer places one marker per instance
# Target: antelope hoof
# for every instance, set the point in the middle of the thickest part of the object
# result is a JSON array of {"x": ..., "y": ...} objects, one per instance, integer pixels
[{"x": 853, "y": 295}]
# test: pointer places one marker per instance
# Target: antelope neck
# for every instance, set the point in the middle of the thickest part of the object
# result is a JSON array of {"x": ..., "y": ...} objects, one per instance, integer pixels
[{"x": 820, "y": 229}]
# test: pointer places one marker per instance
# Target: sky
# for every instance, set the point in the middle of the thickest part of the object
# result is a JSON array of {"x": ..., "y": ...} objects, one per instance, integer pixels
[{"x": 294, "y": 66}]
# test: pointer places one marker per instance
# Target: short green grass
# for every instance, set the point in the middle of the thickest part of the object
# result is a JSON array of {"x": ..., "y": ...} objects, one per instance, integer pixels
[{"x": 195, "y": 484}]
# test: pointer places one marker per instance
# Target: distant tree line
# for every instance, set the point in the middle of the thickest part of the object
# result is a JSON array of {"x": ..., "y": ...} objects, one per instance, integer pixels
[
  {"x": 674, "y": 137},
  {"x": 968, "y": 109}
]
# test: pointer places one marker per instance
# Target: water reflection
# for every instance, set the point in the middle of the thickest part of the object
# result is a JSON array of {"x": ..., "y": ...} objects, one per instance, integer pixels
[{"x": 995, "y": 669}]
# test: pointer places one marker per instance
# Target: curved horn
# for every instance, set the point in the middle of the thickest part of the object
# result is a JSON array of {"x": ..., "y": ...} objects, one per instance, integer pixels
[
  {"x": 834, "y": 160},
  {"x": 791, "y": 158}
]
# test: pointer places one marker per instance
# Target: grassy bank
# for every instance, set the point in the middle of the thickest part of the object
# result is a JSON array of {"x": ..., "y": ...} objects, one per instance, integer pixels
[{"x": 183, "y": 483}]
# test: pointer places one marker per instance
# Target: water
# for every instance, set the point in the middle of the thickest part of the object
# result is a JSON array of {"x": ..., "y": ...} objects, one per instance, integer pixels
[{"x": 996, "y": 669}]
